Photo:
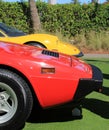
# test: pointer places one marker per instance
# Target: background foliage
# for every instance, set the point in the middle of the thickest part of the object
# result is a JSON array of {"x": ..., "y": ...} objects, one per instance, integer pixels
[
  {"x": 13, "y": 14},
  {"x": 68, "y": 19}
]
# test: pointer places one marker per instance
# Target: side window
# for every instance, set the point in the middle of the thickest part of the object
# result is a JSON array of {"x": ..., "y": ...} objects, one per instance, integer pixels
[{"x": 1, "y": 35}]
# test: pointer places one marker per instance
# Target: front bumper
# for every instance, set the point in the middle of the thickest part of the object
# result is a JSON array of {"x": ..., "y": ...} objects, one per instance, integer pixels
[
  {"x": 79, "y": 55},
  {"x": 86, "y": 86}
]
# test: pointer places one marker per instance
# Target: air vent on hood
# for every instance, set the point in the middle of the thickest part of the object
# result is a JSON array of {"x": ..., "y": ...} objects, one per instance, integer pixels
[{"x": 50, "y": 53}]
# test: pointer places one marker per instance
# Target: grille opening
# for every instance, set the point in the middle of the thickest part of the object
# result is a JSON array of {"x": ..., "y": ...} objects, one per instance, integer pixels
[{"x": 50, "y": 53}]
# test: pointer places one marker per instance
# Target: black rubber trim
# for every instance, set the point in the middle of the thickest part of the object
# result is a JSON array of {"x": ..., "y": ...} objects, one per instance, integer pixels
[{"x": 79, "y": 55}]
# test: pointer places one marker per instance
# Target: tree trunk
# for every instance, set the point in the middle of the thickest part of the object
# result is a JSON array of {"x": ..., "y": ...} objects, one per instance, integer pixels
[{"x": 34, "y": 16}]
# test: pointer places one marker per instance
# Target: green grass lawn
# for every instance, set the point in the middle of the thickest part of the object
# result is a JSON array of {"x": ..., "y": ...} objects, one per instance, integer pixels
[{"x": 95, "y": 109}]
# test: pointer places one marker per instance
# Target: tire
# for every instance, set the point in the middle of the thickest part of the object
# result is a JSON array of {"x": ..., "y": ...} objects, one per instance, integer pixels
[
  {"x": 36, "y": 44},
  {"x": 15, "y": 101}
]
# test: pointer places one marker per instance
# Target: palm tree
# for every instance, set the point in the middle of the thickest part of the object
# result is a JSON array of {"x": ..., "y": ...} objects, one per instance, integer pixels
[
  {"x": 75, "y": 1},
  {"x": 95, "y": 1},
  {"x": 34, "y": 16}
]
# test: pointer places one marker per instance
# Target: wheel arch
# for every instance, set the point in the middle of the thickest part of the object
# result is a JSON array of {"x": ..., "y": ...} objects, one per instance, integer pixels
[
  {"x": 27, "y": 43},
  {"x": 35, "y": 99}
]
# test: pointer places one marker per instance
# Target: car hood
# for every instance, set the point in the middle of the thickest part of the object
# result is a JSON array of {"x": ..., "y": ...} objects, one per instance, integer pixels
[
  {"x": 45, "y": 58},
  {"x": 41, "y": 37},
  {"x": 51, "y": 42},
  {"x": 33, "y": 53}
]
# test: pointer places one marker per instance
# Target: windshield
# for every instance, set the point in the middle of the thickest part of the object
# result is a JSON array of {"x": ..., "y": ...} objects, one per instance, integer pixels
[{"x": 10, "y": 31}]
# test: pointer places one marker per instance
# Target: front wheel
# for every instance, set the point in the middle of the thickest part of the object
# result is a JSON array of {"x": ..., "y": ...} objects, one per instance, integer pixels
[{"x": 15, "y": 100}]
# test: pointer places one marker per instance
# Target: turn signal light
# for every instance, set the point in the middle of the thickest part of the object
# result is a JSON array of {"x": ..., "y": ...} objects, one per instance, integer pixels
[{"x": 47, "y": 70}]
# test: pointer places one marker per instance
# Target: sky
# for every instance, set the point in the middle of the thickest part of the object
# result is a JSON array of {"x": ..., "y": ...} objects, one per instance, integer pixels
[
  {"x": 81, "y": 1},
  {"x": 62, "y": 1}
]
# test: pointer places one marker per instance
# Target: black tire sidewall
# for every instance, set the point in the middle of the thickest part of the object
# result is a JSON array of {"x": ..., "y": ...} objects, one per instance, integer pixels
[
  {"x": 20, "y": 116},
  {"x": 36, "y": 45}
]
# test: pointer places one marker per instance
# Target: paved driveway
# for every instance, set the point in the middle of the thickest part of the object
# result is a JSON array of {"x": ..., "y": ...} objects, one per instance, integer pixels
[{"x": 96, "y": 56}]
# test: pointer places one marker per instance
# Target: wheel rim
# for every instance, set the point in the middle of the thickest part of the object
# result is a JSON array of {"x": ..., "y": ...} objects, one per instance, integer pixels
[{"x": 8, "y": 102}]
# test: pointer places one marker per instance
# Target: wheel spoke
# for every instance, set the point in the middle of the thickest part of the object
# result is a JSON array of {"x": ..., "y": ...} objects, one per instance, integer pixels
[
  {"x": 4, "y": 95},
  {"x": 5, "y": 106}
]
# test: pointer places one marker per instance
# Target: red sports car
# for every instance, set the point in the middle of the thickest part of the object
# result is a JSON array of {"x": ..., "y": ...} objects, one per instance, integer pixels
[{"x": 53, "y": 78}]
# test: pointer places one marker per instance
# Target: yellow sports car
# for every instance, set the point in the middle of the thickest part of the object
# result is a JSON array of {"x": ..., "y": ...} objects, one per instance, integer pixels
[{"x": 50, "y": 42}]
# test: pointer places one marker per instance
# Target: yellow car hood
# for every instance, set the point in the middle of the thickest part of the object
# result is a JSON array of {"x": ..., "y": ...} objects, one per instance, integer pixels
[{"x": 51, "y": 42}]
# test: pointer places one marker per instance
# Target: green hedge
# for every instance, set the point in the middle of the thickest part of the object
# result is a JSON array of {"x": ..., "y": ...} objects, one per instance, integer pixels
[
  {"x": 69, "y": 19},
  {"x": 14, "y": 14}
]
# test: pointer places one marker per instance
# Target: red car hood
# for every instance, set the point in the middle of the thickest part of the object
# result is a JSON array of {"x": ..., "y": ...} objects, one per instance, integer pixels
[
  {"x": 34, "y": 53},
  {"x": 45, "y": 56}
]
